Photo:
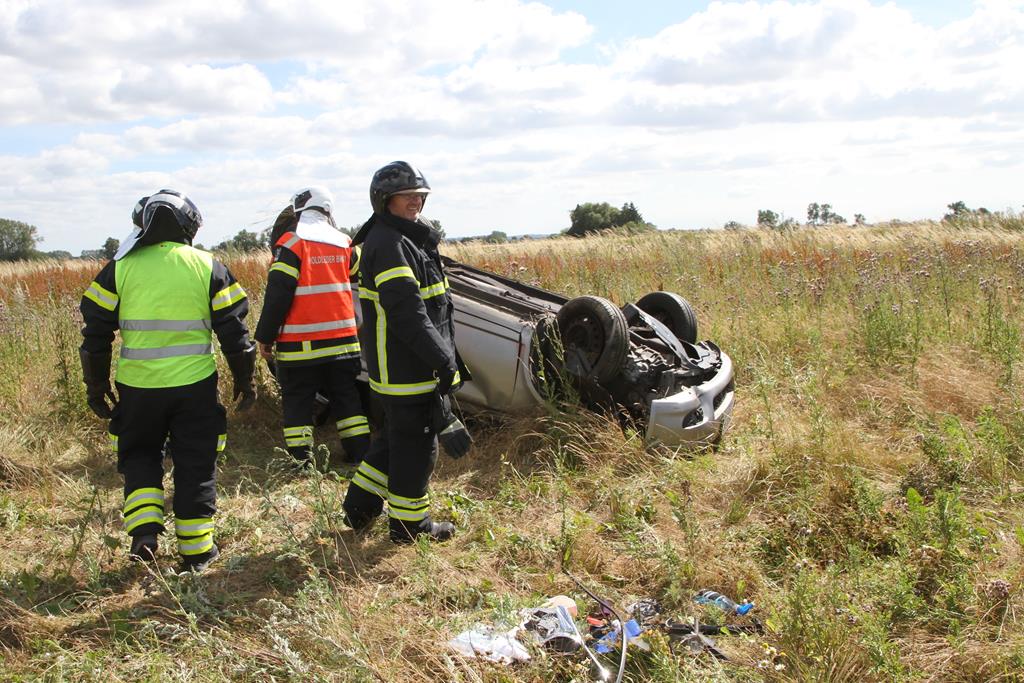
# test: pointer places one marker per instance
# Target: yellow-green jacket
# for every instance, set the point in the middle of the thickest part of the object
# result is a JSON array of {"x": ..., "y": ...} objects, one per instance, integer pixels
[{"x": 166, "y": 299}]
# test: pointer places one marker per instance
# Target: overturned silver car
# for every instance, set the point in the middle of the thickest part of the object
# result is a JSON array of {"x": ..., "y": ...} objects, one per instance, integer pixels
[{"x": 525, "y": 345}]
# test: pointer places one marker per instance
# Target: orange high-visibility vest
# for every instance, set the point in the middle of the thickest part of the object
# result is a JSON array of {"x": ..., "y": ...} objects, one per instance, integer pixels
[{"x": 322, "y": 307}]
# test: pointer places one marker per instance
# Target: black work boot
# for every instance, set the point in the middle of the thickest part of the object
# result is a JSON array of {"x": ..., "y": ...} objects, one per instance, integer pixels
[
  {"x": 359, "y": 520},
  {"x": 303, "y": 465},
  {"x": 144, "y": 548},
  {"x": 350, "y": 462},
  {"x": 436, "y": 531},
  {"x": 199, "y": 563},
  {"x": 302, "y": 458}
]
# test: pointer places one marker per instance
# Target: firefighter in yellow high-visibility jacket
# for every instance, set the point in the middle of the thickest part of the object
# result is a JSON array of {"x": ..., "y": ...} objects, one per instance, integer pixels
[{"x": 166, "y": 298}]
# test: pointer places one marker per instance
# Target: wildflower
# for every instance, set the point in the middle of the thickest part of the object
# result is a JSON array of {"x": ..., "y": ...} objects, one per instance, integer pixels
[{"x": 997, "y": 590}]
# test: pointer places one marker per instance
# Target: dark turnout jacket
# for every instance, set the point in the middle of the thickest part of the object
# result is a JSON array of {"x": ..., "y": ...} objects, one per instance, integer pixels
[{"x": 408, "y": 329}]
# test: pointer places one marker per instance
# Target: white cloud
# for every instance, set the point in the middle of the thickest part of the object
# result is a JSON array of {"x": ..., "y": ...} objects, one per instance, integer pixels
[
  {"x": 170, "y": 90},
  {"x": 221, "y": 135},
  {"x": 835, "y": 59},
  {"x": 106, "y": 59},
  {"x": 741, "y": 106}
]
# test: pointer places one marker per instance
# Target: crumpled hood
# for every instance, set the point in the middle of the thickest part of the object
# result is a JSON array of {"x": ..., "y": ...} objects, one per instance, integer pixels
[
  {"x": 128, "y": 243},
  {"x": 315, "y": 227}
]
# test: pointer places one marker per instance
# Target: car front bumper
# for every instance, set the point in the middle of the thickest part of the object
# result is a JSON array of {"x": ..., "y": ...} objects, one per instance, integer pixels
[{"x": 671, "y": 422}]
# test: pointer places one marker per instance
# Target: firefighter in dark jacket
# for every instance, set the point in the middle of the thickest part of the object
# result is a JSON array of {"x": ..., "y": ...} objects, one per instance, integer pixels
[
  {"x": 408, "y": 341},
  {"x": 308, "y": 311},
  {"x": 166, "y": 298}
]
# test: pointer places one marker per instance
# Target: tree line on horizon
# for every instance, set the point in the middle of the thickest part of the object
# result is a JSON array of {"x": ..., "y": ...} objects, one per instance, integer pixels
[{"x": 19, "y": 241}]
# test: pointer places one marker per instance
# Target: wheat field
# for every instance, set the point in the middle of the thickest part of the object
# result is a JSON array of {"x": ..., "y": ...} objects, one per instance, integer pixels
[{"x": 868, "y": 497}]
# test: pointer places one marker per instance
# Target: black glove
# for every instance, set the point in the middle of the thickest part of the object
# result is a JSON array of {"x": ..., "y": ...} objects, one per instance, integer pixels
[
  {"x": 242, "y": 366},
  {"x": 445, "y": 379},
  {"x": 451, "y": 433},
  {"x": 96, "y": 369}
]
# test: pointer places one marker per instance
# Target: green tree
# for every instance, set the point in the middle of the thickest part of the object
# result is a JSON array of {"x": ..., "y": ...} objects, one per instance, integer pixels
[
  {"x": 496, "y": 237},
  {"x": 629, "y": 214},
  {"x": 813, "y": 213},
  {"x": 17, "y": 240},
  {"x": 833, "y": 218},
  {"x": 244, "y": 241},
  {"x": 822, "y": 214},
  {"x": 959, "y": 210},
  {"x": 592, "y": 217},
  {"x": 956, "y": 210},
  {"x": 109, "y": 248},
  {"x": 766, "y": 218}
]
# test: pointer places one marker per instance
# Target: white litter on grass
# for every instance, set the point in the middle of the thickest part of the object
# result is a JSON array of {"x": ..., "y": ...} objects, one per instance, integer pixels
[
  {"x": 290, "y": 502},
  {"x": 494, "y": 646}
]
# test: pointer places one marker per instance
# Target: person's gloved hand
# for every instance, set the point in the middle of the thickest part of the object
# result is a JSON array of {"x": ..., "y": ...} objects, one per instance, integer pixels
[
  {"x": 97, "y": 402},
  {"x": 451, "y": 433},
  {"x": 96, "y": 371},
  {"x": 248, "y": 394},
  {"x": 243, "y": 366},
  {"x": 445, "y": 379}
]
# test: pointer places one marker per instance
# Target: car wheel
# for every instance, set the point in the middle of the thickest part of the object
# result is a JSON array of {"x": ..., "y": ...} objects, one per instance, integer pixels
[
  {"x": 673, "y": 311},
  {"x": 595, "y": 337}
]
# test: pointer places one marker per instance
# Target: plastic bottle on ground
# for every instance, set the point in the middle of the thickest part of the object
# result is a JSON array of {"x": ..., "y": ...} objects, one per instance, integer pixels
[{"x": 723, "y": 603}]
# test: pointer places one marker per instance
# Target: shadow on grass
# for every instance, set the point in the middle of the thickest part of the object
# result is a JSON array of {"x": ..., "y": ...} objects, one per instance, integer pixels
[{"x": 130, "y": 598}]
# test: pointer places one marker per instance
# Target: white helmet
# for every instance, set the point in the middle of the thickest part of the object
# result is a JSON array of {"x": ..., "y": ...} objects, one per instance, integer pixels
[{"x": 317, "y": 196}]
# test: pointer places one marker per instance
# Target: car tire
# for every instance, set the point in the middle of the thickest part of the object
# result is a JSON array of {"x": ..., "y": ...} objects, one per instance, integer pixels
[
  {"x": 595, "y": 337},
  {"x": 673, "y": 311}
]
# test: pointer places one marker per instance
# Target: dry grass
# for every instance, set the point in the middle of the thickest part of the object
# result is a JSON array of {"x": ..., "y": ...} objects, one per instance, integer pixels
[{"x": 869, "y": 362}]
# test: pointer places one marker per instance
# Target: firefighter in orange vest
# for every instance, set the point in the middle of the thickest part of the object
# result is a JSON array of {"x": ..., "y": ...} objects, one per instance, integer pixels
[{"x": 308, "y": 311}]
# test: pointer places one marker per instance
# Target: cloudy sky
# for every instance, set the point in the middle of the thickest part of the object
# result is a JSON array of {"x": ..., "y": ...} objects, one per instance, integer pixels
[{"x": 698, "y": 112}]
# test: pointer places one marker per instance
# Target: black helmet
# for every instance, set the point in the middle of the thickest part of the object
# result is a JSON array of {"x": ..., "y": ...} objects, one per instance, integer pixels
[
  {"x": 184, "y": 211},
  {"x": 395, "y": 178},
  {"x": 137, "y": 212}
]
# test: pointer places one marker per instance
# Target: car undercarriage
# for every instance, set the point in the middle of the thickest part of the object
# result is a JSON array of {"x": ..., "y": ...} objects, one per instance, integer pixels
[{"x": 641, "y": 362}]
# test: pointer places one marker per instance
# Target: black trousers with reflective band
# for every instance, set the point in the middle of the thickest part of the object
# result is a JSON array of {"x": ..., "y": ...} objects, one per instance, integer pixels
[
  {"x": 194, "y": 420},
  {"x": 335, "y": 379},
  {"x": 397, "y": 467}
]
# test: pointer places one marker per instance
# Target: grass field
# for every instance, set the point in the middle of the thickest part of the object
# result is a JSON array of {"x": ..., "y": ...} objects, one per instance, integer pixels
[{"x": 868, "y": 497}]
